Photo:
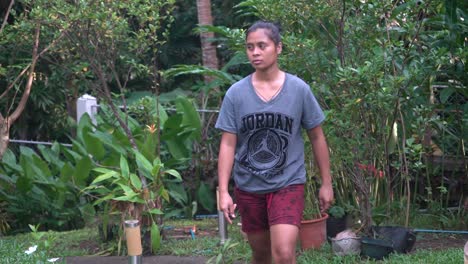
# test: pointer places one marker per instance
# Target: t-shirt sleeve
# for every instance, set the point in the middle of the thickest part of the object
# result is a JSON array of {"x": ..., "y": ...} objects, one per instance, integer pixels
[
  {"x": 312, "y": 114},
  {"x": 226, "y": 119}
]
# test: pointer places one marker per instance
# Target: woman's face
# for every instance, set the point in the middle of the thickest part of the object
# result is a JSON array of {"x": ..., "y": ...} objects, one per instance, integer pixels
[{"x": 261, "y": 50}]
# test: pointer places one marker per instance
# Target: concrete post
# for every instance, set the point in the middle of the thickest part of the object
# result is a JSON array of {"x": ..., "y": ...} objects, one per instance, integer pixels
[{"x": 86, "y": 104}]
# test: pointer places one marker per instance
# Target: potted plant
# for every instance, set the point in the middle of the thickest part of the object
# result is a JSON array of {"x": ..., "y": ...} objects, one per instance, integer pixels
[
  {"x": 343, "y": 240},
  {"x": 340, "y": 213},
  {"x": 377, "y": 242},
  {"x": 337, "y": 220}
]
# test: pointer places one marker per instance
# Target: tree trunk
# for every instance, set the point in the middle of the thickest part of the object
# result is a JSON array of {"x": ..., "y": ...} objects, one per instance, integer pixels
[
  {"x": 5, "y": 122},
  {"x": 209, "y": 60},
  {"x": 209, "y": 57},
  {"x": 4, "y": 136}
]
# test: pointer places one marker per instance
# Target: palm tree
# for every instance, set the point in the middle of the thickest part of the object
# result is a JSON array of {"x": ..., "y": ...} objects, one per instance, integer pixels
[
  {"x": 209, "y": 57},
  {"x": 205, "y": 18}
]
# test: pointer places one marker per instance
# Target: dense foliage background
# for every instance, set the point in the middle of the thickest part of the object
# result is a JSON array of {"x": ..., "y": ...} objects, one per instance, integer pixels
[{"x": 390, "y": 75}]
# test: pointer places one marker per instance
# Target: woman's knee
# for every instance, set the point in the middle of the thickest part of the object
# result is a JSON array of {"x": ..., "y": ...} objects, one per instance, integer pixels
[
  {"x": 260, "y": 257},
  {"x": 284, "y": 255},
  {"x": 260, "y": 244}
]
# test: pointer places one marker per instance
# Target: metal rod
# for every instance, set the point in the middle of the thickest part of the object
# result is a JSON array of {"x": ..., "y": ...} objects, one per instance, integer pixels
[
  {"x": 37, "y": 142},
  {"x": 222, "y": 224},
  {"x": 440, "y": 231}
]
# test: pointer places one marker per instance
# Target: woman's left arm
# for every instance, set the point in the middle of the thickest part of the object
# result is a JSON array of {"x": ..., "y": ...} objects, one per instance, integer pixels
[{"x": 322, "y": 159}]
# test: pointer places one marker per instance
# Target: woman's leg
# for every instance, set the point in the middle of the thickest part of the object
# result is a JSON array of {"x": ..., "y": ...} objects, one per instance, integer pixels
[
  {"x": 272, "y": 222},
  {"x": 284, "y": 214},
  {"x": 261, "y": 247},
  {"x": 253, "y": 212},
  {"x": 283, "y": 243}
]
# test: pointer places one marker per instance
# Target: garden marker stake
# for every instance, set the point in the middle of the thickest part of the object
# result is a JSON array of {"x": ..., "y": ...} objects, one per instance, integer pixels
[
  {"x": 133, "y": 236},
  {"x": 222, "y": 224}
]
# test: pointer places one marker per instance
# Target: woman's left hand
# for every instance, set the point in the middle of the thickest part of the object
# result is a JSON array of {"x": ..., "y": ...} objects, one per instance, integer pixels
[{"x": 325, "y": 197}]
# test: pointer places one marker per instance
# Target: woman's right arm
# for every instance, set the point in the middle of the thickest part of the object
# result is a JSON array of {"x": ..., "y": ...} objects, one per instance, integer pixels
[{"x": 227, "y": 150}]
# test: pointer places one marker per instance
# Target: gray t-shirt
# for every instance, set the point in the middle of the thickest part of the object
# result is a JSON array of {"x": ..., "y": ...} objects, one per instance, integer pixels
[{"x": 270, "y": 148}]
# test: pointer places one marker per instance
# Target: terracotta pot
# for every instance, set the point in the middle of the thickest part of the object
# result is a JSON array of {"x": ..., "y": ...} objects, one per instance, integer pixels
[{"x": 313, "y": 233}]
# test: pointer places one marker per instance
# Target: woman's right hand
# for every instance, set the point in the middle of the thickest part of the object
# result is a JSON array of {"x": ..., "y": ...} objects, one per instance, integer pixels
[{"x": 227, "y": 206}]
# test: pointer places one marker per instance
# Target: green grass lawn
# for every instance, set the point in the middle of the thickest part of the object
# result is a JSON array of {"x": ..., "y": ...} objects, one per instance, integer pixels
[
  {"x": 206, "y": 243},
  {"x": 50, "y": 245}
]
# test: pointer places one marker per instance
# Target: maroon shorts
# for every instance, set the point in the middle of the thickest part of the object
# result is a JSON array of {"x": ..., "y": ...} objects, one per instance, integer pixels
[{"x": 260, "y": 211}]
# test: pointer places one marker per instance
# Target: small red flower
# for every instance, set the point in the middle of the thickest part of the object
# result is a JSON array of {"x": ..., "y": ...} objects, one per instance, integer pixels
[{"x": 371, "y": 169}]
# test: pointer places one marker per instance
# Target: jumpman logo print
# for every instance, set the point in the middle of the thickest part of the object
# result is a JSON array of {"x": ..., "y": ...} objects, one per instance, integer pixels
[{"x": 263, "y": 146}]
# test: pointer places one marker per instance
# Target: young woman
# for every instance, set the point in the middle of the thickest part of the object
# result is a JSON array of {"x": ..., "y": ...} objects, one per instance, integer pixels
[{"x": 261, "y": 119}]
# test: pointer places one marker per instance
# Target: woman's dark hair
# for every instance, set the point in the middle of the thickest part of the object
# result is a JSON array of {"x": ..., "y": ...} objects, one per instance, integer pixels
[{"x": 274, "y": 30}]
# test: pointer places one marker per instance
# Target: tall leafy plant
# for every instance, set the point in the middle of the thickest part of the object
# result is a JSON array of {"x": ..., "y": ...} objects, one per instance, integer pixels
[
  {"x": 118, "y": 166},
  {"x": 41, "y": 188},
  {"x": 376, "y": 89}
]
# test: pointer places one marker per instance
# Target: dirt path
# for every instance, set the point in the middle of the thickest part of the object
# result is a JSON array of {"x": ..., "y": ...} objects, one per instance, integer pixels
[{"x": 439, "y": 241}]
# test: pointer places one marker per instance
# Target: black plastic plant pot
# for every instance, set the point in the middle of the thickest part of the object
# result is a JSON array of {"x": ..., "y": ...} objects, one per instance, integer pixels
[
  {"x": 403, "y": 239},
  {"x": 335, "y": 225},
  {"x": 376, "y": 248}
]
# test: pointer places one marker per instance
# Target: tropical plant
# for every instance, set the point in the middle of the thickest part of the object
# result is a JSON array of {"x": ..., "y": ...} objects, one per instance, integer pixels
[
  {"x": 43, "y": 187},
  {"x": 124, "y": 190},
  {"x": 5, "y": 218},
  {"x": 117, "y": 184}
]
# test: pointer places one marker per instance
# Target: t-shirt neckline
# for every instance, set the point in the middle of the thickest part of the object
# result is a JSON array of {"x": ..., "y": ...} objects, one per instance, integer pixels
[{"x": 274, "y": 98}]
